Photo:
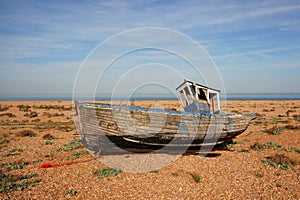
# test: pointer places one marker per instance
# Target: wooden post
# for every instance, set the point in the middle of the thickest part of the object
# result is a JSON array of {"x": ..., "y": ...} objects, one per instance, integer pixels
[
  {"x": 218, "y": 99},
  {"x": 196, "y": 93},
  {"x": 191, "y": 93},
  {"x": 213, "y": 105},
  {"x": 186, "y": 98},
  {"x": 183, "y": 103}
]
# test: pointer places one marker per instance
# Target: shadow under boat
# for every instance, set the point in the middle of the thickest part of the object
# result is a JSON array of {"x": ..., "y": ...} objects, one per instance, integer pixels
[{"x": 122, "y": 145}]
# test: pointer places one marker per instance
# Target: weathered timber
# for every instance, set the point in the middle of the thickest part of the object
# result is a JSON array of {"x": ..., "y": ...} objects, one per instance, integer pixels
[{"x": 156, "y": 125}]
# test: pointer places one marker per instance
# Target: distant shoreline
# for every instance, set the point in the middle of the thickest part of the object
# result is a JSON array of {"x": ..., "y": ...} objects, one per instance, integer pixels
[{"x": 62, "y": 97}]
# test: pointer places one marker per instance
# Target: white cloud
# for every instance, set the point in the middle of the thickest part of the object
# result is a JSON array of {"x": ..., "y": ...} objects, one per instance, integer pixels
[
  {"x": 36, "y": 33},
  {"x": 260, "y": 52}
]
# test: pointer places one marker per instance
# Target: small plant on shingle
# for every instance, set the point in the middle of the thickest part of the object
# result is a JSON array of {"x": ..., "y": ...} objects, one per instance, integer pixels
[
  {"x": 11, "y": 183},
  {"x": 71, "y": 192},
  {"x": 244, "y": 151},
  {"x": 4, "y": 142},
  {"x": 13, "y": 152},
  {"x": 292, "y": 127},
  {"x": 4, "y": 108},
  {"x": 233, "y": 144},
  {"x": 278, "y": 130},
  {"x": 74, "y": 144},
  {"x": 259, "y": 173},
  {"x": 11, "y": 166},
  {"x": 175, "y": 173},
  {"x": 78, "y": 154},
  {"x": 49, "y": 137},
  {"x": 293, "y": 149},
  {"x": 31, "y": 114},
  {"x": 48, "y": 143},
  {"x": 257, "y": 146},
  {"x": 296, "y": 117},
  {"x": 281, "y": 165},
  {"x": 278, "y": 185},
  {"x": 280, "y": 161},
  {"x": 262, "y": 146},
  {"x": 275, "y": 130},
  {"x": 3, "y": 135},
  {"x": 196, "y": 177},
  {"x": 21, "y": 177},
  {"x": 272, "y": 145},
  {"x": 37, "y": 161},
  {"x": 24, "y": 108},
  {"x": 7, "y": 114},
  {"x": 106, "y": 172},
  {"x": 26, "y": 133}
]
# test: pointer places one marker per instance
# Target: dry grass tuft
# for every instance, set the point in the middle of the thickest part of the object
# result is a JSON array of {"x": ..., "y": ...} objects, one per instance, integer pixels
[
  {"x": 196, "y": 177},
  {"x": 281, "y": 158},
  {"x": 26, "y": 133},
  {"x": 280, "y": 161},
  {"x": 49, "y": 137},
  {"x": 7, "y": 114},
  {"x": 4, "y": 108},
  {"x": 292, "y": 127},
  {"x": 256, "y": 146},
  {"x": 31, "y": 114}
]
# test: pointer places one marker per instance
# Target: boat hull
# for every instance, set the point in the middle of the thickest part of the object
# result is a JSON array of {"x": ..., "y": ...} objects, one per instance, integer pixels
[{"x": 155, "y": 126}]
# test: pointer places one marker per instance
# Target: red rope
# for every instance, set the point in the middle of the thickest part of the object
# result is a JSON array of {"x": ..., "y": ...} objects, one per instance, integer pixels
[{"x": 49, "y": 165}]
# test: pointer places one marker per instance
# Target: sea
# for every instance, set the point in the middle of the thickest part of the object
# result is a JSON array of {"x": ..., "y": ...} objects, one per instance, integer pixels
[{"x": 68, "y": 97}]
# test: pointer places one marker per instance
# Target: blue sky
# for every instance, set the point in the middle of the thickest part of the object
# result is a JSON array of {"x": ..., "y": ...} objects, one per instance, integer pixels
[{"x": 255, "y": 44}]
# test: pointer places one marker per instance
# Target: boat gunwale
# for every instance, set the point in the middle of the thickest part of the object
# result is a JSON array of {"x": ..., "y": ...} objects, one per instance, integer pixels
[{"x": 157, "y": 110}]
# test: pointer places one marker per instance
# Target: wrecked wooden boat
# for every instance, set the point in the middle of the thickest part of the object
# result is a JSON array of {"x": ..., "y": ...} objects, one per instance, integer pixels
[{"x": 200, "y": 122}]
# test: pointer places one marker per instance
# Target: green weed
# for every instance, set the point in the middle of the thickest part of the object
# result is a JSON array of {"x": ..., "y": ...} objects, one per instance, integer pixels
[
  {"x": 4, "y": 108},
  {"x": 196, "y": 177},
  {"x": 261, "y": 147},
  {"x": 275, "y": 130},
  {"x": 62, "y": 126},
  {"x": 78, "y": 154},
  {"x": 259, "y": 174},
  {"x": 22, "y": 177},
  {"x": 24, "y": 108},
  {"x": 279, "y": 161},
  {"x": 292, "y": 149},
  {"x": 13, "y": 152},
  {"x": 49, "y": 137},
  {"x": 296, "y": 117},
  {"x": 10, "y": 183},
  {"x": 105, "y": 172},
  {"x": 48, "y": 143},
  {"x": 31, "y": 114},
  {"x": 281, "y": 165},
  {"x": 74, "y": 144},
  {"x": 4, "y": 142},
  {"x": 11, "y": 167},
  {"x": 7, "y": 114},
  {"x": 233, "y": 144},
  {"x": 71, "y": 192},
  {"x": 26, "y": 133},
  {"x": 37, "y": 161},
  {"x": 175, "y": 173}
]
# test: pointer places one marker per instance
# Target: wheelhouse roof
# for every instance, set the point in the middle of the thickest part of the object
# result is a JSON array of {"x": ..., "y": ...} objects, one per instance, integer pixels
[{"x": 196, "y": 84}]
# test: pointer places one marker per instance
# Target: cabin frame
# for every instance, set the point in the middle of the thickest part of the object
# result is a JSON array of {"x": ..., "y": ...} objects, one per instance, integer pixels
[{"x": 198, "y": 98}]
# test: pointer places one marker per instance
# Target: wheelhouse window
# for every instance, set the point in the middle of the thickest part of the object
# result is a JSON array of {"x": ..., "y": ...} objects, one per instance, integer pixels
[{"x": 198, "y": 98}]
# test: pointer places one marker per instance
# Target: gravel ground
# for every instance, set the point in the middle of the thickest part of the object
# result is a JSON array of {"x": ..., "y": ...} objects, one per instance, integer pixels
[{"x": 243, "y": 172}]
